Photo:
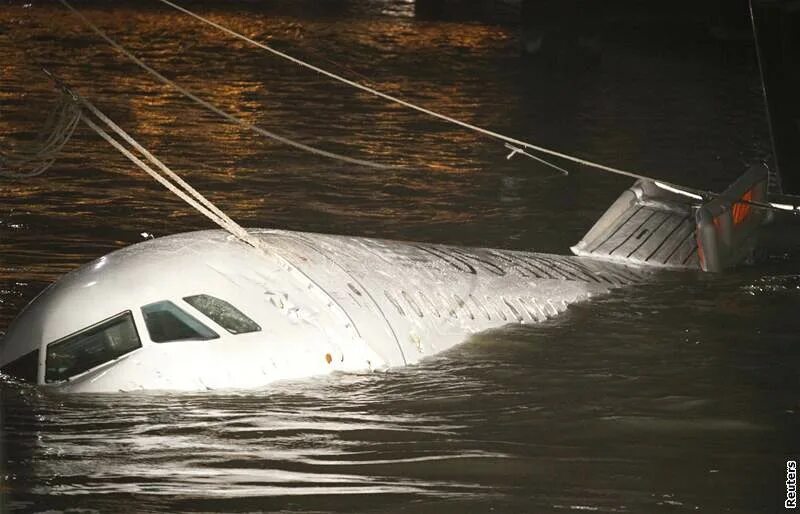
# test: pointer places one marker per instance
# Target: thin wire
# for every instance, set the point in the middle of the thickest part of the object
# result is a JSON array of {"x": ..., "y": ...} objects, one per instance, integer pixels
[
  {"x": 520, "y": 151},
  {"x": 230, "y": 117},
  {"x": 405, "y": 103}
]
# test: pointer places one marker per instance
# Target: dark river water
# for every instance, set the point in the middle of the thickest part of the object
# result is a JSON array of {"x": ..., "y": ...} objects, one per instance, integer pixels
[{"x": 679, "y": 395}]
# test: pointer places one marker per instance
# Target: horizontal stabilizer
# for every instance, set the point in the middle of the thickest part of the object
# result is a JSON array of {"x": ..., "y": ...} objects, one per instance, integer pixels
[
  {"x": 647, "y": 225},
  {"x": 659, "y": 225}
]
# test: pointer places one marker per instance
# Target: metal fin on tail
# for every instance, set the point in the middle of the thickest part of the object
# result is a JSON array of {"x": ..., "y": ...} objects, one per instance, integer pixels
[
  {"x": 728, "y": 226},
  {"x": 646, "y": 225},
  {"x": 651, "y": 226}
]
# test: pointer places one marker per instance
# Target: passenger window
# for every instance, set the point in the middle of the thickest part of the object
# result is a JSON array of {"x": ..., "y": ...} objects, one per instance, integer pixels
[
  {"x": 167, "y": 322},
  {"x": 96, "y": 345},
  {"x": 223, "y": 314},
  {"x": 26, "y": 368}
]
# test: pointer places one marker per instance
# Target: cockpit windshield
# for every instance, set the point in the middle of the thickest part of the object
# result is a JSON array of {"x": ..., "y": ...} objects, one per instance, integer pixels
[
  {"x": 167, "y": 322},
  {"x": 223, "y": 314},
  {"x": 91, "y": 347}
]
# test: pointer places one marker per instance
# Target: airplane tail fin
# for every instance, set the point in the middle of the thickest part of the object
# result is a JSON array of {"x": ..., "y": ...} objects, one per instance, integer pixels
[{"x": 653, "y": 225}]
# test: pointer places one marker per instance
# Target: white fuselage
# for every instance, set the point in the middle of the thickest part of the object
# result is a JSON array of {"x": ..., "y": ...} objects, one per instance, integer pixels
[{"x": 320, "y": 303}]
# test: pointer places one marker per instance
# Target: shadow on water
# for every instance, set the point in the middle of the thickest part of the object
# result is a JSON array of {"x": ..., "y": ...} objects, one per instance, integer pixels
[{"x": 676, "y": 395}]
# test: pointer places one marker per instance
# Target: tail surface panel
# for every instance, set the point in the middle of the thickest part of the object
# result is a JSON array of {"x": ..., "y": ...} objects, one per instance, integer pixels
[
  {"x": 647, "y": 226},
  {"x": 650, "y": 225}
]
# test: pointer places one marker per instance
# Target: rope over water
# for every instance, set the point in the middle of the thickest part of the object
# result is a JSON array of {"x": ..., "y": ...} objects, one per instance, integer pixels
[
  {"x": 37, "y": 158},
  {"x": 34, "y": 158},
  {"x": 175, "y": 184},
  {"x": 400, "y": 101},
  {"x": 213, "y": 108},
  {"x": 230, "y": 117},
  {"x": 515, "y": 145},
  {"x": 166, "y": 177}
]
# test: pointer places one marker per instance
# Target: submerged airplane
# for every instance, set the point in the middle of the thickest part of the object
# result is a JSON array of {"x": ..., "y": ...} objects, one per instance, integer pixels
[
  {"x": 203, "y": 310},
  {"x": 233, "y": 309}
]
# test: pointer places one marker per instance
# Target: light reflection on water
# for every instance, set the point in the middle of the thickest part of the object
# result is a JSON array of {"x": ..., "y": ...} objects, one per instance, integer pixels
[{"x": 680, "y": 394}]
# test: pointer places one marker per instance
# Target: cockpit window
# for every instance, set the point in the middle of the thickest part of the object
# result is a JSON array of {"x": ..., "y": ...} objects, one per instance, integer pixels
[
  {"x": 91, "y": 347},
  {"x": 223, "y": 314},
  {"x": 167, "y": 322}
]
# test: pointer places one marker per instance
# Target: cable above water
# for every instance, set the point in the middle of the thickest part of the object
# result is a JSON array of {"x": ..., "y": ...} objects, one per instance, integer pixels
[
  {"x": 213, "y": 108},
  {"x": 405, "y": 103}
]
